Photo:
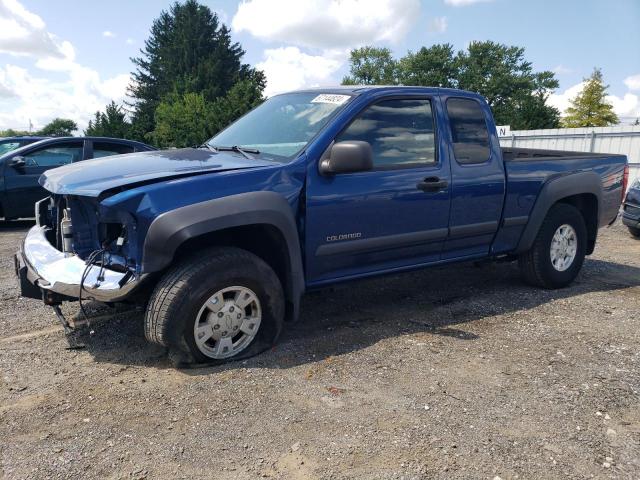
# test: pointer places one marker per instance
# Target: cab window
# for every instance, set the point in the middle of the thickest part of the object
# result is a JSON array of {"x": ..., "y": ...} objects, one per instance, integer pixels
[
  {"x": 400, "y": 132},
  {"x": 468, "y": 131}
]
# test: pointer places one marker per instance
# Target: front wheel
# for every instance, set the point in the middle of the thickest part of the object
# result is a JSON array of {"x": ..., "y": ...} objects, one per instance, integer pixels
[
  {"x": 222, "y": 304},
  {"x": 558, "y": 251}
]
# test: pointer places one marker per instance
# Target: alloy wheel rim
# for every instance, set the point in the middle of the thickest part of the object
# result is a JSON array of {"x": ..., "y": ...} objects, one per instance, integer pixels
[
  {"x": 564, "y": 247},
  {"x": 227, "y": 322}
]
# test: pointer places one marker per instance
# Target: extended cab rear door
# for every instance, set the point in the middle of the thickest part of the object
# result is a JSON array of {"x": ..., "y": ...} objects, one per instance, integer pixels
[
  {"x": 393, "y": 216},
  {"x": 477, "y": 177}
]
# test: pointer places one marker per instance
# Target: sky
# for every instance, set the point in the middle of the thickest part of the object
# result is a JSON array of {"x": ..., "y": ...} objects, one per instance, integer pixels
[{"x": 69, "y": 58}]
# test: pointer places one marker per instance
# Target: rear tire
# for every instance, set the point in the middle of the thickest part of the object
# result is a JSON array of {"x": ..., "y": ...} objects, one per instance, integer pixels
[
  {"x": 635, "y": 232},
  {"x": 558, "y": 251},
  {"x": 223, "y": 304}
]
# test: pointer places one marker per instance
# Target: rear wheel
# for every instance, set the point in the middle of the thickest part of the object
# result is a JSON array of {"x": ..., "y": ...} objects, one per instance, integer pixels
[
  {"x": 634, "y": 231},
  {"x": 224, "y": 304},
  {"x": 558, "y": 252}
]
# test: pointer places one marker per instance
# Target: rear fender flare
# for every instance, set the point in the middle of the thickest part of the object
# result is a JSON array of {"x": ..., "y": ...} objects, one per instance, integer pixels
[{"x": 553, "y": 191}]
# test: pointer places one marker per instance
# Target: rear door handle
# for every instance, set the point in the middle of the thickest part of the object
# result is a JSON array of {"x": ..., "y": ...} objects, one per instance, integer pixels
[{"x": 432, "y": 184}]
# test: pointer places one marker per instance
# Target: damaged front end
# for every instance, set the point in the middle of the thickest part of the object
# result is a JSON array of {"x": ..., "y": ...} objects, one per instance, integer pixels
[{"x": 78, "y": 250}]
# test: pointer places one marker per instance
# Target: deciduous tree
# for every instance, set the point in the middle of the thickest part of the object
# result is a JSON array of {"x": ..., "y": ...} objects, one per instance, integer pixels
[
  {"x": 59, "y": 127},
  {"x": 517, "y": 94},
  {"x": 372, "y": 66}
]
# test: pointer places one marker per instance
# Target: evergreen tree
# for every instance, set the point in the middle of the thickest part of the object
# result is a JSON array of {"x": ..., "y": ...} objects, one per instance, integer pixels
[
  {"x": 110, "y": 123},
  {"x": 590, "y": 107},
  {"x": 188, "y": 51}
]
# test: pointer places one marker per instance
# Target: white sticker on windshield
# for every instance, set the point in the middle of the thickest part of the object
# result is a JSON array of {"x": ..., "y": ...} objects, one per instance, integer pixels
[{"x": 330, "y": 98}]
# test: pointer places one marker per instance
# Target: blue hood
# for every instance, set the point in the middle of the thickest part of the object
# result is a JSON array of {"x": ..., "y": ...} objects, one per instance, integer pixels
[{"x": 92, "y": 177}]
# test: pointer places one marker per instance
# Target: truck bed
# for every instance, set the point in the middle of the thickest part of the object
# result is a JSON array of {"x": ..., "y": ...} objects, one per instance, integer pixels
[
  {"x": 528, "y": 170},
  {"x": 514, "y": 154}
]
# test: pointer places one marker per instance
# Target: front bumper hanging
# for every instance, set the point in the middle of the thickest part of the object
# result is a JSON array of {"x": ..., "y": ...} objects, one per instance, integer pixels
[{"x": 42, "y": 270}]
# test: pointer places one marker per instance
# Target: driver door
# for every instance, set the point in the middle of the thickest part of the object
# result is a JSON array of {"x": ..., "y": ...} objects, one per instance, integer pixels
[{"x": 383, "y": 219}]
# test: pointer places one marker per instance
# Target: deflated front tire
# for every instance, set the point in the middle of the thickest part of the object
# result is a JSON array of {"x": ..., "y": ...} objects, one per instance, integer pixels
[{"x": 223, "y": 304}]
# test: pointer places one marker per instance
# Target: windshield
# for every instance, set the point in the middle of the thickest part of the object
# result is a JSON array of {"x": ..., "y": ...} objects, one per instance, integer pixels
[
  {"x": 282, "y": 125},
  {"x": 8, "y": 146}
]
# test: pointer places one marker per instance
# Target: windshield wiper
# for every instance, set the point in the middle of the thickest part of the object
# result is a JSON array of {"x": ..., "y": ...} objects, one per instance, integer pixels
[
  {"x": 209, "y": 147},
  {"x": 244, "y": 151}
]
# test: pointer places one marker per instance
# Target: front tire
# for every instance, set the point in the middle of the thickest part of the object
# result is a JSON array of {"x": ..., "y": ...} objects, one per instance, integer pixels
[
  {"x": 223, "y": 304},
  {"x": 558, "y": 251}
]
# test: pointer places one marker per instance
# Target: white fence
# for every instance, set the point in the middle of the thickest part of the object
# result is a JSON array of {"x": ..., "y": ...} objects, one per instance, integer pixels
[{"x": 623, "y": 139}]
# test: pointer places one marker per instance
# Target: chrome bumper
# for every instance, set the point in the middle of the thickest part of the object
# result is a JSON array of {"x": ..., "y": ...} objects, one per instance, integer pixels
[{"x": 42, "y": 265}]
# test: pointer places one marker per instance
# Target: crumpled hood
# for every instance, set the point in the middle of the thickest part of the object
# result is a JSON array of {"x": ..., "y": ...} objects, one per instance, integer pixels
[{"x": 92, "y": 177}]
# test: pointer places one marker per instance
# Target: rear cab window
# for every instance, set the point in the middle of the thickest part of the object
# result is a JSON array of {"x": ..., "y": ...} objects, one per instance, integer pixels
[
  {"x": 400, "y": 131},
  {"x": 469, "y": 132}
]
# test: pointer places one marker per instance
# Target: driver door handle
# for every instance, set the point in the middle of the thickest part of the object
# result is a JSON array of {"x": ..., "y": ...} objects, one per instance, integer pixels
[{"x": 432, "y": 184}]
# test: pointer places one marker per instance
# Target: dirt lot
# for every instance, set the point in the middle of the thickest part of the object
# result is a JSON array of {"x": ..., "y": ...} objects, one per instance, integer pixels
[{"x": 456, "y": 372}]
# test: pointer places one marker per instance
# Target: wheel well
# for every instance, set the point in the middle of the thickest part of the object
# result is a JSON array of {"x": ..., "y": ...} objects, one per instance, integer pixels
[
  {"x": 587, "y": 203},
  {"x": 263, "y": 240}
]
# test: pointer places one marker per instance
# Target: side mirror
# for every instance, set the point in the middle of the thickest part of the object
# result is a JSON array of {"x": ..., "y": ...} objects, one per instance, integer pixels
[
  {"x": 348, "y": 156},
  {"x": 17, "y": 162}
]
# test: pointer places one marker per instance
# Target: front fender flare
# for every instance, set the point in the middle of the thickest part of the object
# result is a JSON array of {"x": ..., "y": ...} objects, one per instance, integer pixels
[{"x": 171, "y": 229}]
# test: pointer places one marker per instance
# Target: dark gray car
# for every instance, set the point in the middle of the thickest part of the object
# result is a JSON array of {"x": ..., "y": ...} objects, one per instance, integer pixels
[
  {"x": 8, "y": 144},
  {"x": 21, "y": 168}
]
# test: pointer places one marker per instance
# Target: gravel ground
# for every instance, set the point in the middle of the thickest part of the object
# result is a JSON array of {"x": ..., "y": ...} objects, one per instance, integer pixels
[{"x": 459, "y": 372}]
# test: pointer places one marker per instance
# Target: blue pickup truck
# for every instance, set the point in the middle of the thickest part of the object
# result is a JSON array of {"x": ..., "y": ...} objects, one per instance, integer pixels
[{"x": 309, "y": 189}]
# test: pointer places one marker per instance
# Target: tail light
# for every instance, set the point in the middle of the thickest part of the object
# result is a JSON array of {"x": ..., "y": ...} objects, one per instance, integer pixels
[{"x": 625, "y": 180}]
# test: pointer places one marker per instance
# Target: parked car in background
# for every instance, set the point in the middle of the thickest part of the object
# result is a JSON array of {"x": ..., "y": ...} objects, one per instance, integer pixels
[
  {"x": 631, "y": 209},
  {"x": 21, "y": 168},
  {"x": 11, "y": 143},
  {"x": 309, "y": 189}
]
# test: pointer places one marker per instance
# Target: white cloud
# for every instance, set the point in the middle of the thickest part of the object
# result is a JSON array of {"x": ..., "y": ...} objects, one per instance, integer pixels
[
  {"x": 633, "y": 82},
  {"x": 437, "y": 25},
  {"x": 77, "y": 92},
  {"x": 39, "y": 99},
  {"x": 288, "y": 68},
  {"x": 626, "y": 106},
  {"x": 130, "y": 41},
  {"x": 327, "y": 23},
  {"x": 561, "y": 70},
  {"x": 464, "y": 3},
  {"x": 108, "y": 34},
  {"x": 23, "y": 33}
]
